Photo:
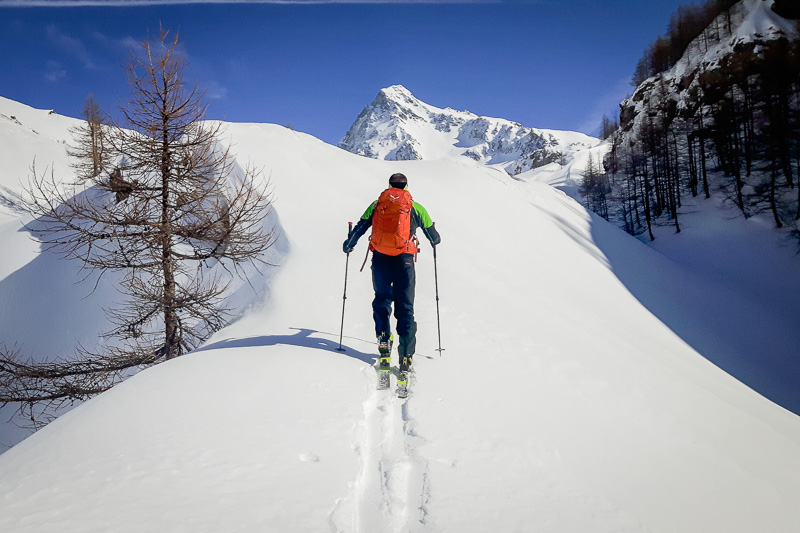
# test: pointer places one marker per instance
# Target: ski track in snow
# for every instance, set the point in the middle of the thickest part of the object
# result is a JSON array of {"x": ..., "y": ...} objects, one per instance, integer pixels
[{"x": 391, "y": 491}]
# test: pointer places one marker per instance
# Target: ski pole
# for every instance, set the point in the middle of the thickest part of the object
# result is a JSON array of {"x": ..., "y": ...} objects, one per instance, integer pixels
[
  {"x": 344, "y": 297},
  {"x": 438, "y": 324}
]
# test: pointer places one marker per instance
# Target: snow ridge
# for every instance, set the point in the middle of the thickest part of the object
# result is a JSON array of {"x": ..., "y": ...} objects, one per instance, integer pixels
[{"x": 396, "y": 126}]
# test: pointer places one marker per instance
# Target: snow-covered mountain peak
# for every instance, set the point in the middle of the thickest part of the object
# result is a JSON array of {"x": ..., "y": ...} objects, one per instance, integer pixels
[
  {"x": 401, "y": 97},
  {"x": 399, "y": 93},
  {"x": 398, "y": 126}
]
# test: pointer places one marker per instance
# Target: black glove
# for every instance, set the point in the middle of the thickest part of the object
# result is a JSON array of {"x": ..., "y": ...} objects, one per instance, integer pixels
[
  {"x": 432, "y": 234},
  {"x": 347, "y": 247}
]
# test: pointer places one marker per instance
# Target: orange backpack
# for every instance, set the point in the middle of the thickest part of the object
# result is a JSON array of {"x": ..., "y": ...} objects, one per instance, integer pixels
[{"x": 391, "y": 223}]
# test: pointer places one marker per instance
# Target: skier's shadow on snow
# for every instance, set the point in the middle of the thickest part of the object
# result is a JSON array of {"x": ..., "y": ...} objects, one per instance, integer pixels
[{"x": 304, "y": 337}]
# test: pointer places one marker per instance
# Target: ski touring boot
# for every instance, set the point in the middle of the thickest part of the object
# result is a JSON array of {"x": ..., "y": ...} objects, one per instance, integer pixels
[
  {"x": 403, "y": 373},
  {"x": 384, "y": 361}
]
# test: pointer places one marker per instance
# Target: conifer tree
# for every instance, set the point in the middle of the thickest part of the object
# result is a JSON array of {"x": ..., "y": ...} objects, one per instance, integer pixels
[
  {"x": 90, "y": 152},
  {"x": 160, "y": 204}
]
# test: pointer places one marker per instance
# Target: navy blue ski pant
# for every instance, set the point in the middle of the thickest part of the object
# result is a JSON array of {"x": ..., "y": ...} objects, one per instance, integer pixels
[{"x": 394, "y": 281}]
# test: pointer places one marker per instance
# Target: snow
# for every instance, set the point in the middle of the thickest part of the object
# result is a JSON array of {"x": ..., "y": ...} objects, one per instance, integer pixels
[
  {"x": 560, "y": 403},
  {"x": 26, "y": 132},
  {"x": 567, "y": 178},
  {"x": 34, "y": 284},
  {"x": 736, "y": 277},
  {"x": 751, "y": 20},
  {"x": 761, "y": 19}
]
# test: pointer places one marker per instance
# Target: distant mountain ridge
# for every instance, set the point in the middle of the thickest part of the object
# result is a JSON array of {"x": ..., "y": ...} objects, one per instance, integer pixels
[{"x": 397, "y": 126}]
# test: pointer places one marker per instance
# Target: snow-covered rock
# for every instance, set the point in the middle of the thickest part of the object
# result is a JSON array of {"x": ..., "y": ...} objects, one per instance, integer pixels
[
  {"x": 397, "y": 126},
  {"x": 753, "y": 22}
]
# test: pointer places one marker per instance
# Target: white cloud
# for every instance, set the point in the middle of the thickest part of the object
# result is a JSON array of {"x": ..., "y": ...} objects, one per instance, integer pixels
[
  {"x": 70, "y": 45},
  {"x": 55, "y": 72},
  {"x": 129, "y": 43},
  {"x": 216, "y": 91}
]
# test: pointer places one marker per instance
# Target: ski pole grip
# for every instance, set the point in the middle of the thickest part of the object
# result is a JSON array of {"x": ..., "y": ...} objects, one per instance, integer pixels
[{"x": 349, "y": 229}]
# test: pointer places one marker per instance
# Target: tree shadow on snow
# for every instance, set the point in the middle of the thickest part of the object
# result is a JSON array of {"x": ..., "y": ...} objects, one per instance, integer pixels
[{"x": 304, "y": 337}]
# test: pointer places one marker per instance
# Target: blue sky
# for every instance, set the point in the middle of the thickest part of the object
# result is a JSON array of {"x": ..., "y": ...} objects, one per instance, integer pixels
[{"x": 314, "y": 65}]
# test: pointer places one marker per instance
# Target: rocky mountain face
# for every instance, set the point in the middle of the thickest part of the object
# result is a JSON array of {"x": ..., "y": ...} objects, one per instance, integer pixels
[
  {"x": 718, "y": 122},
  {"x": 750, "y": 25},
  {"x": 398, "y": 126}
]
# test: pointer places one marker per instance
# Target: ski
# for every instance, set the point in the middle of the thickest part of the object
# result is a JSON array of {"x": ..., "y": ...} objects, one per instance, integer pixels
[
  {"x": 402, "y": 385},
  {"x": 383, "y": 380}
]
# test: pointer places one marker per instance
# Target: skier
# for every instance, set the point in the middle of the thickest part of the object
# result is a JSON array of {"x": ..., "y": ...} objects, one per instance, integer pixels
[{"x": 394, "y": 219}]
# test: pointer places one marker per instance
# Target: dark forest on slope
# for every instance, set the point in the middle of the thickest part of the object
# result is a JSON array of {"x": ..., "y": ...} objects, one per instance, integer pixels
[{"x": 731, "y": 125}]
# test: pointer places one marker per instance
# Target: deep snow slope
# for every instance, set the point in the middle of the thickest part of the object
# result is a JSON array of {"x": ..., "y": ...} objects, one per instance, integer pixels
[
  {"x": 36, "y": 289},
  {"x": 560, "y": 403},
  {"x": 726, "y": 285},
  {"x": 28, "y": 137}
]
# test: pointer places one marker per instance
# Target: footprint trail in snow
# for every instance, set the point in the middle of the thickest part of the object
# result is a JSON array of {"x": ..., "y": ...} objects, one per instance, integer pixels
[{"x": 391, "y": 491}]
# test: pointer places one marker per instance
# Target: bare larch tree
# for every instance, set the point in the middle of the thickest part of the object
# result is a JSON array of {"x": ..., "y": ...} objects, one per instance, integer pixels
[
  {"x": 89, "y": 152},
  {"x": 160, "y": 202}
]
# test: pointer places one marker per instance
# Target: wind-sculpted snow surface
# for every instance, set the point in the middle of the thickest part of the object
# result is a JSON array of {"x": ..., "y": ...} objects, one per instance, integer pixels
[
  {"x": 559, "y": 404},
  {"x": 397, "y": 126}
]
